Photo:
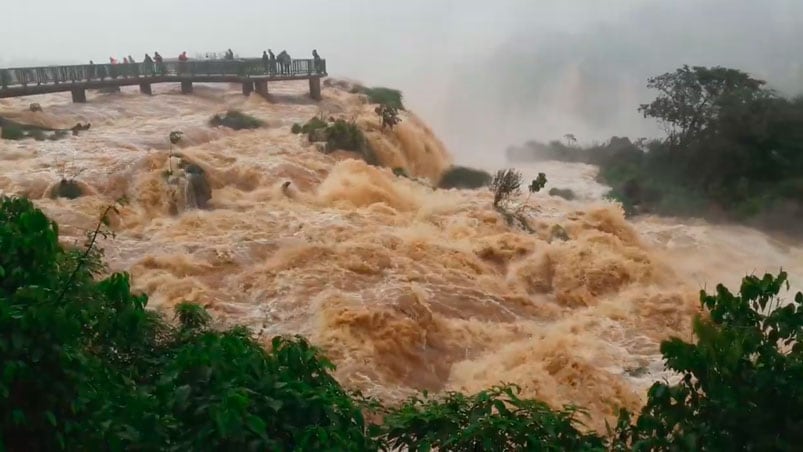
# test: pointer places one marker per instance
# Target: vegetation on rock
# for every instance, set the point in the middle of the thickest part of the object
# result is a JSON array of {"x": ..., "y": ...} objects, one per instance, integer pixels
[
  {"x": 496, "y": 419},
  {"x": 314, "y": 123},
  {"x": 388, "y": 115},
  {"x": 12, "y": 130},
  {"x": 464, "y": 177},
  {"x": 236, "y": 120},
  {"x": 382, "y": 96},
  {"x": 340, "y": 135}
]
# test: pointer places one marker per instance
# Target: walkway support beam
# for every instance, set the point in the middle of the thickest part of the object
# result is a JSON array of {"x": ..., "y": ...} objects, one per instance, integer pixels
[
  {"x": 261, "y": 87},
  {"x": 315, "y": 88},
  {"x": 248, "y": 88},
  {"x": 186, "y": 87},
  {"x": 78, "y": 95},
  {"x": 145, "y": 88}
]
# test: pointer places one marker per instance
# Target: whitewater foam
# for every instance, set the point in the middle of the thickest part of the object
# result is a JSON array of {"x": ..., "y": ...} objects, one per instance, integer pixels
[{"x": 404, "y": 287}]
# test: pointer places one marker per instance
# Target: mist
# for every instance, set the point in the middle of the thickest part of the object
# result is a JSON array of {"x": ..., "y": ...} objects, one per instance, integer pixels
[{"x": 484, "y": 74}]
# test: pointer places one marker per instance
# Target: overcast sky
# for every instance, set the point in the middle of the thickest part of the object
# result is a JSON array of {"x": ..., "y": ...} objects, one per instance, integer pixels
[{"x": 485, "y": 74}]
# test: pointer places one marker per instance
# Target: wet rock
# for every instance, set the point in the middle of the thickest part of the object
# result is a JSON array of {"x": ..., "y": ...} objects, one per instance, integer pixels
[
  {"x": 286, "y": 189},
  {"x": 636, "y": 372},
  {"x": 198, "y": 193},
  {"x": 80, "y": 127},
  {"x": 565, "y": 193},
  {"x": 558, "y": 233},
  {"x": 67, "y": 188},
  {"x": 35, "y": 107}
]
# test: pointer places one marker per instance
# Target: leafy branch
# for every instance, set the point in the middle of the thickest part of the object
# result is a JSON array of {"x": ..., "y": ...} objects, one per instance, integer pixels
[{"x": 103, "y": 221}]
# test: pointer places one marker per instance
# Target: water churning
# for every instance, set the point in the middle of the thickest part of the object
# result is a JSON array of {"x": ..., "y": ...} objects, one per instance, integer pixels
[{"x": 403, "y": 286}]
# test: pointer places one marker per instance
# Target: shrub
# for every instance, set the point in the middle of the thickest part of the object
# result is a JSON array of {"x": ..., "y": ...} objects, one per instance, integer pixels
[
  {"x": 383, "y": 96},
  {"x": 313, "y": 124},
  {"x": 296, "y": 128},
  {"x": 12, "y": 133},
  {"x": 464, "y": 177},
  {"x": 505, "y": 185},
  {"x": 236, "y": 120},
  {"x": 565, "y": 193},
  {"x": 741, "y": 382},
  {"x": 537, "y": 184},
  {"x": 400, "y": 172},
  {"x": 349, "y": 137},
  {"x": 346, "y": 136},
  {"x": 85, "y": 364},
  {"x": 388, "y": 115},
  {"x": 492, "y": 420}
]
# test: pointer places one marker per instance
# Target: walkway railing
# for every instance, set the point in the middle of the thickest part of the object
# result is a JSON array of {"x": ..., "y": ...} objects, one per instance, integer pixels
[{"x": 245, "y": 68}]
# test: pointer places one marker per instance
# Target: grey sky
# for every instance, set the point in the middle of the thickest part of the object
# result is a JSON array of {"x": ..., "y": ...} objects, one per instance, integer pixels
[{"x": 485, "y": 74}]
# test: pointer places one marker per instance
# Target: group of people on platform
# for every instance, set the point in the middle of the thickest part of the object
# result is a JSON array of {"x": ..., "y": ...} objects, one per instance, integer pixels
[
  {"x": 130, "y": 60},
  {"x": 269, "y": 60},
  {"x": 273, "y": 64}
]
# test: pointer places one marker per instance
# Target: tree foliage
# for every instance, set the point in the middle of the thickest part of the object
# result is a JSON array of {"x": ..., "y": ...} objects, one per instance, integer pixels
[
  {"x": 87, "y": 367},
  {"x": 691, "y": 99},
  {"x": 389, "y": 115},
  {"x": 742, "y": 382},
  {"x": 537, "y": 184},
  {"x": 505, "y": 184},
  {"x": 496, "y": 419},
  {"x": 733, "y": 151},
  {"x": 382, "y": 96}
]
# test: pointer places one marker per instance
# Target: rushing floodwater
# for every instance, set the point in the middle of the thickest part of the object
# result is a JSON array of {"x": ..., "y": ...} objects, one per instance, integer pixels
[{"x": 403, "y": 287}]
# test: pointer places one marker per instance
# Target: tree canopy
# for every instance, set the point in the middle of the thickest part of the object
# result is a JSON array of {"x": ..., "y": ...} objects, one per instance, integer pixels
[{"x": 691, "y": 99}]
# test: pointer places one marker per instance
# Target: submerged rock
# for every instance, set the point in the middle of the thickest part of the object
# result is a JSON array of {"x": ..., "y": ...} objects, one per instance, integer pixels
[
  {"x": 67, "y": 188},
  {"x": 197, "y": 191},
  {"x": 558, "y": 233}
]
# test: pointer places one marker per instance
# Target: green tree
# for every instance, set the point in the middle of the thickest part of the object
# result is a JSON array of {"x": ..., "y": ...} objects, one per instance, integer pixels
[
  {"x": 742, "y": 382},
  {"x": 691, "y": 98},
  {"x": 86, "y": 367},
  {"x": 492, "y": 420}
]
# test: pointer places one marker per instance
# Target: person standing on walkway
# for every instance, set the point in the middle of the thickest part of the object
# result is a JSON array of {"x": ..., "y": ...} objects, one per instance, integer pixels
[
  {"x": 182, "y": 62},
  {"x": 317, "y": 60},
  {"x": 147, "y": 65},
  {"x": 160, "y": 66}
]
